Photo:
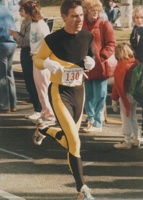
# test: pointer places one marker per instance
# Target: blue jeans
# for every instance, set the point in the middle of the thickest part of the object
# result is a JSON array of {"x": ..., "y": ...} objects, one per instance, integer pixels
[
  {"x": 27, "y": 67},
  {"x": 95, "y": 96},
  {"x": 7, "y": 82},
  {"x": 112, "y": 14}
]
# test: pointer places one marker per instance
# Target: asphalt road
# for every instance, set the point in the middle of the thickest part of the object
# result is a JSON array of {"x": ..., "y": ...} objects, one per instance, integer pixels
[{"x": 29, "y": 172}]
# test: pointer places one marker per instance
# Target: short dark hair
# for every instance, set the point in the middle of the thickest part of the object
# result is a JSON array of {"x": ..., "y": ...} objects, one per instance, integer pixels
[{"x": 68, "y": 4}]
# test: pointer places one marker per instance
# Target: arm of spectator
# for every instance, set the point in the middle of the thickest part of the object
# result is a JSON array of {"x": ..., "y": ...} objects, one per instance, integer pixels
[
  {"x": 22, "y": 38},
  {"x": 108, "y": 40}
]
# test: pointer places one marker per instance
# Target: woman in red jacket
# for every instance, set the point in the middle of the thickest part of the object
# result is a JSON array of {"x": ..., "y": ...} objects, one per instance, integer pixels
[
  {"x": 120, "y": 91},
  {"x": 104, "y": 47}
]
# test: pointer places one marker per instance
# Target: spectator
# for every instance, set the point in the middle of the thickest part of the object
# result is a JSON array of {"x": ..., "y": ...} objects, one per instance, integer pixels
[
  {"x": 7, "y": 48},
  {"x": 23, "y": 40},
  {"x": 38, "y": 31},
  {"x": 120, "y": 91},
  {"x": 112, "y": 10},
  {"x": 13, "y": 6},
  {"x": 104, "y": 47},
  {"x": 70, "y": 49},
  {"x": 136, "y": 38}
]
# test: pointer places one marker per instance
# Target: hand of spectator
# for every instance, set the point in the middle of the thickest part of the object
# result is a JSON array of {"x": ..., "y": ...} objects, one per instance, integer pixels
[
  {"x": 10, "y": 32},
  {"x": 53, "y": 66},
  {"x": 89, "y": 62},
  {"x": 115, "y": 106},
  {"x": 13, "y": 33}
]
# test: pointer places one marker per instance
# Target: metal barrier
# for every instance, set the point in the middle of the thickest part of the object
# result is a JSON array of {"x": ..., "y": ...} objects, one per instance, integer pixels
[{"x": 54, "y": 23}]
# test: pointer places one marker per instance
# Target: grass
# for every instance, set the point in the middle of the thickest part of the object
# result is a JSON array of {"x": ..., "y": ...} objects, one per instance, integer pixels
[
  {"x": 54, "y": 11},
  {"x": 58, "y": 2},
  {"x": 122, "y": 35}
]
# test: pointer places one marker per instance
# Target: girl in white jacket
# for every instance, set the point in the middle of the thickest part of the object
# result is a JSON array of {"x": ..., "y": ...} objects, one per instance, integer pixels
[{"x": 39, "y": 29}]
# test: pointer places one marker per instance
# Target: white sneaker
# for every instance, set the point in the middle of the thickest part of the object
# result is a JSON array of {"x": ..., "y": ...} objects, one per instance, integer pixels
[
  {"x": 50, "y": 120},
  {"x": 84, "y": 194},
  {"x": 92, "y": 129},
  {"x": 87, "y": 123},
  {"x": 42, "y": 120},
  {"x": 34, "y": 116},
  {"x": 122, "y": 145},
  {"x": 37, "y": 136},
  {"x": 135, "y": 143}
]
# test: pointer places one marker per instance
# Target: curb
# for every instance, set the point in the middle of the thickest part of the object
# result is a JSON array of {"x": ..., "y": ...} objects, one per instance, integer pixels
[{"x": 17, "y": 70}]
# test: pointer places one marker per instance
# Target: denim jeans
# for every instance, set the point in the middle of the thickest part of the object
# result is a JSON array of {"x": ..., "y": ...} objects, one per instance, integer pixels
[
  {"x": 112, "y": 14},
  {"x": 27, "y": 67},
  {"x": 7, "y": 83},
  {"x": 95, "y": 96}
]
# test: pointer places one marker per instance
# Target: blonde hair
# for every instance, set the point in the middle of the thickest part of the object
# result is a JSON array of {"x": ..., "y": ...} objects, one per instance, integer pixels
[
  {"x": 88, "y": 4},
  {"x": 138, "y": 11},
  {"x": 123, "y": 51}
]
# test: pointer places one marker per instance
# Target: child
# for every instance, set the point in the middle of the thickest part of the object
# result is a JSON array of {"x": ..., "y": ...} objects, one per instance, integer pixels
[
  {"x": 128, "y": 105},
  {"x": 136, "y": 38},
  {"x": 38, "y": 31}
]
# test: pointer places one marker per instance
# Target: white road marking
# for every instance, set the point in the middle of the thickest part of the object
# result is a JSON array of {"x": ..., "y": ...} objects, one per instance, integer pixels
[
  {"x": 87, "y": 164},
  {"x": 16, "y": 154},
  {"x": 14, "y": 127},
  {"x": 10, "y": 196}
]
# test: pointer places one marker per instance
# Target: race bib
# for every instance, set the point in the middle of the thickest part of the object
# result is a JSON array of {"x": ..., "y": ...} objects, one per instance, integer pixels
[{"x": 72, "y": 77}]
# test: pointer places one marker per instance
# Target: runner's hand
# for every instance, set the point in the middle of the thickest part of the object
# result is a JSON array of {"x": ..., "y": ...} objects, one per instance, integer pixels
[
  {"x": 89, "y": 62},
  {"x": 53, "y": 66}
]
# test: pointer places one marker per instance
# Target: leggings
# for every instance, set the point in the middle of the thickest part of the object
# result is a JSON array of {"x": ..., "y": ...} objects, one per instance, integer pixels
[{"x": 67, "y": 104}]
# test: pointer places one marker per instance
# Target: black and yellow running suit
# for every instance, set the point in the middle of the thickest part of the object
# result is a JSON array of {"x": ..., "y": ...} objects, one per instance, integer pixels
[{"x": 67, "y": 102}]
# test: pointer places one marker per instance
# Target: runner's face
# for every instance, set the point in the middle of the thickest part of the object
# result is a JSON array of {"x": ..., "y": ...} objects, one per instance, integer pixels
[
  {"x": 138, "y": 20},
  {"x": 74, "y": 20}
]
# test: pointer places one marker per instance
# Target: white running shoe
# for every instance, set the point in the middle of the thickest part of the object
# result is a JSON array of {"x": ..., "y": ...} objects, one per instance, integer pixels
[
  {"x": 135, "y": 143},
  {"x": 92, "y": 129},
  {"x": 49, "y": 121},
  {"x": 122, "y": 145},
  {"x": 34, "y": 116},
  {"x": 84, "y": 194},
  {"x": 38, "y": 137}
]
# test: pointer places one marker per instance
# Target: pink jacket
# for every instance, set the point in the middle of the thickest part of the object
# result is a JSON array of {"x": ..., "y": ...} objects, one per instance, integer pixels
[{"x": 104, "y": 44}]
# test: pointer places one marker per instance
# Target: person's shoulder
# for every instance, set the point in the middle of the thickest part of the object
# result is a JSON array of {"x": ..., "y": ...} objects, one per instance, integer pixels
[
  {"x": 41, "y": 21},
  {"x": 85, "y": 32},
  {"x": 54, "y": 36},
  {"x": 27, "y": 21},
  {"x": 106, "y": 25},
  {"x": 42, "y": 24},
  {"x": 104, "y": 22}
]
